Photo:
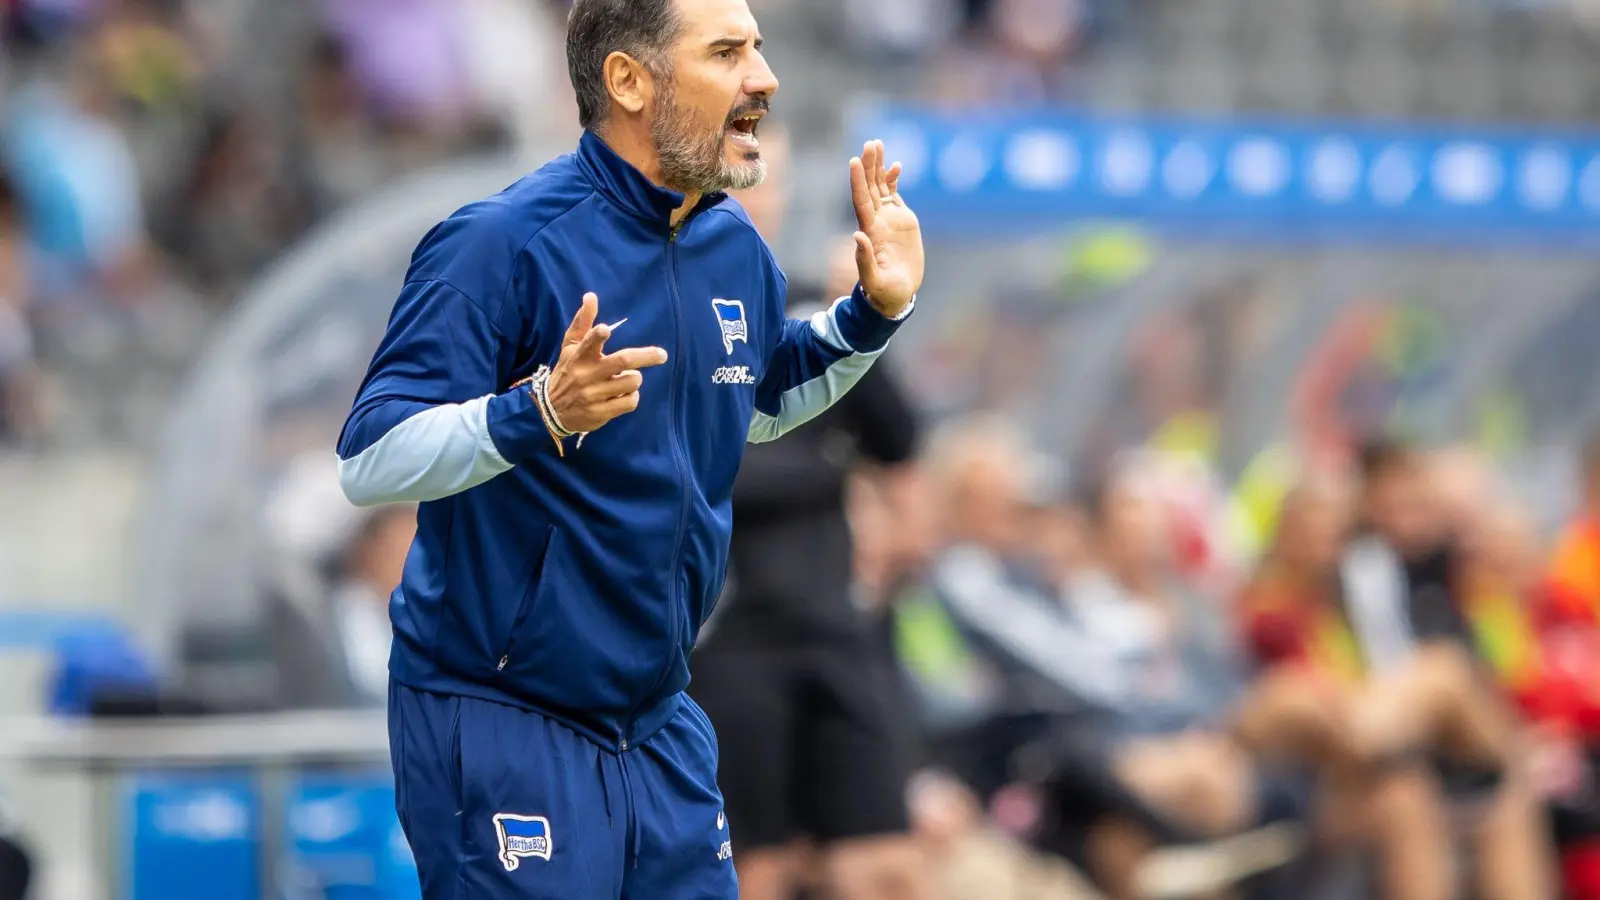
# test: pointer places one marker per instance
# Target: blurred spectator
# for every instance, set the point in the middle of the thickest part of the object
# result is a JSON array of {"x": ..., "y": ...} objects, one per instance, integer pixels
[
  {"x": 1021, "y": 57},
  {"x": 1315, "y": 615},
  {"x": 410, "y": 59},
  {"x": 331, "y": 570},
  {"x": 16, "y": 863},
  {"x": 1137, "y": 689},
  {"x": 145, "y": 57},
  {"x": 368, "y": 573},
  {"x": 344, "y": 158},
  {"x": 328, "y": 623},
  {"x": 238, "y": 209},
  {"x": 1294, "y": 619},
  {"x": 76, "y": 175},
  {"x": 19, "y": 373}
]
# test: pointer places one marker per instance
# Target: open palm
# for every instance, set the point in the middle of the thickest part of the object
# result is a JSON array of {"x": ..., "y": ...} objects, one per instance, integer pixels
[{"x": 889, "y": 254}]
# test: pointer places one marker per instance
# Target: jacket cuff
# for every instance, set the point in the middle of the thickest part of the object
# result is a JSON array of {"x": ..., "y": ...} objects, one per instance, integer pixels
[
  {"x": 864, "y": 328},
  {"x": 515, "y": 426}
]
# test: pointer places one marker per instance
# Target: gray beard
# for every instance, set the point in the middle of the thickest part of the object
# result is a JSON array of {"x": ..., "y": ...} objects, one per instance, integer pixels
[{"x": 694, "y": 162}]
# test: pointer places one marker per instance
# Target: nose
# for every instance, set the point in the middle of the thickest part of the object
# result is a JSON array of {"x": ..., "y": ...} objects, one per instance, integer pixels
[{"x": 761, "y": 82}]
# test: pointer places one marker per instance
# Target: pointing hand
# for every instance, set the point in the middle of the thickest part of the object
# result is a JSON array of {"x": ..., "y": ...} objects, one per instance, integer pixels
[{"x": 589, "y": 387}]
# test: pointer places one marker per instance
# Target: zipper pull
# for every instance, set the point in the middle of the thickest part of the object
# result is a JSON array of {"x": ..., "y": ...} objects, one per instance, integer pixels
[{"x": 502, "y": 665}]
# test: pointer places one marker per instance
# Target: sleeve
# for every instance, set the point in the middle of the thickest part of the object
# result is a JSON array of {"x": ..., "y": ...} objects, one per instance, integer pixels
[
  {"x": 817, "y": 361},
  {"x": 986, "y": 604},
  {"x": 434, "y": 416}
]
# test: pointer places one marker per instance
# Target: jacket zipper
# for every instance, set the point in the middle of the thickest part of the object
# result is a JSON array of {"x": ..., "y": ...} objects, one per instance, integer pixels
[{"x": 673, "y": 598}]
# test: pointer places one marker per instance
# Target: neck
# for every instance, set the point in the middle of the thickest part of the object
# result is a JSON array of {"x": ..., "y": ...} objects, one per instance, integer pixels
[{"x": 633, "y": 143}]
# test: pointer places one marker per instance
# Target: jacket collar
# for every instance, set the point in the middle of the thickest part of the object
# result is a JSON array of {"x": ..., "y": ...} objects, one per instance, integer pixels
[{"x": 627, "y": 188}]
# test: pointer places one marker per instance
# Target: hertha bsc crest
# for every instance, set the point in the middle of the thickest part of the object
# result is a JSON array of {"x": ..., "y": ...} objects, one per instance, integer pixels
[
  {"x": 522, "y": 837},
  {"x": 730, "y": 315}
]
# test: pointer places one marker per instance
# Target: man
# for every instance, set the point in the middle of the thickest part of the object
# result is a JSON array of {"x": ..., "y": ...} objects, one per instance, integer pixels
[
  {"x": 1402, "y": 586},
  {"x": 789, "y": 672},
  {"x": 575, "y": 503}
]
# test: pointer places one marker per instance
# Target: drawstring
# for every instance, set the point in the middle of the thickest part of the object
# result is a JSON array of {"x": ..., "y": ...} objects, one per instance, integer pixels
[
  {"x": 633, "y": 813},
  {"x": 605, "y": 788}
]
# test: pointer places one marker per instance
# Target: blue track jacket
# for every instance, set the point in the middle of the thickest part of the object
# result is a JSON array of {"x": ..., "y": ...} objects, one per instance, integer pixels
[{"x": 575, "y": 587}]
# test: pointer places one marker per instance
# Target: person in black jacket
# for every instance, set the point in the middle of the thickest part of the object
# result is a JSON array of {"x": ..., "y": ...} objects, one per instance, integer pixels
[
  {"x": 798, "y": 689},
  {"x": 16, "y": 865}
]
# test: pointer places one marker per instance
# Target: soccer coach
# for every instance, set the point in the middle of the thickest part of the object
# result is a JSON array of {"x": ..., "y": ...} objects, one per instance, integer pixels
[{"x": 575, "y": 497}]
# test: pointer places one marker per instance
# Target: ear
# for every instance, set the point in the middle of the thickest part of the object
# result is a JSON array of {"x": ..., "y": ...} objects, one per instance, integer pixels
[{"x": 627, "y": 81}]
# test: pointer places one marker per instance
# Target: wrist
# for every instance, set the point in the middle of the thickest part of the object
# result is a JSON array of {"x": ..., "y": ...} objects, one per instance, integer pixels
[
  {"x": 539, "y": 388},
  {"x": 892, "y": 309}
]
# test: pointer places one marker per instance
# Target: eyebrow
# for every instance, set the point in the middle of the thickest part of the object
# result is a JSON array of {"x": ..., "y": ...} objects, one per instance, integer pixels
[{"x": 733, "y": 42}]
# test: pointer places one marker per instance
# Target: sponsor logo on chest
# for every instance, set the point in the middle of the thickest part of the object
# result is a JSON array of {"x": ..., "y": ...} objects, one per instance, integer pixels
[{"x": 733, "y": 375}]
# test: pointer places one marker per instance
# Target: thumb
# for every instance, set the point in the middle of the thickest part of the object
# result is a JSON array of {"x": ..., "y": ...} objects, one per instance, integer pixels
[
  {"x": 583, "y": 321},
  {"x": 866, "y": 261}
]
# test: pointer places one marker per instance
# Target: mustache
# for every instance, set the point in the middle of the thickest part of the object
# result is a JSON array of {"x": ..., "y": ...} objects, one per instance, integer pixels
[{"x": 754, "y": 105}]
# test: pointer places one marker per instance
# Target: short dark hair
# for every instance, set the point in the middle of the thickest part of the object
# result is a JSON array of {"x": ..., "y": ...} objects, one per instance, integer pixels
[{"x": 643, "y": 29}]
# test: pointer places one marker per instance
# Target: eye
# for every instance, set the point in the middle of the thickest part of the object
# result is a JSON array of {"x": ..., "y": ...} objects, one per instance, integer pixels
[{"x": 725, "y": 53}]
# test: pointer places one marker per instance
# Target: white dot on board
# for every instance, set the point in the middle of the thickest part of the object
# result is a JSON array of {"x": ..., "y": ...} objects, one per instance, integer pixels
[
  {"x": 1467, "y": 174},
  {"x": 1126, "y": 163},
  {"x": 1040, "y": 160},
  {"x": 1334, "y": 170},
  {"x": 906, "y": 144},
  {"x": 1258, "y": 167}
]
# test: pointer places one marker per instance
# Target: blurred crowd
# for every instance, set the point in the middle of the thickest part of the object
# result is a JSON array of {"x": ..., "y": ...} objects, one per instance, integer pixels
[
  {"x": 1407, "y": 669},
  {"x": 1101, "y": 663},
  {"x": 156, "y": 155}
]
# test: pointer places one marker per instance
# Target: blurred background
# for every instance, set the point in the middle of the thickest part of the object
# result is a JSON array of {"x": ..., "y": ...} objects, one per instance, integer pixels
[{"x": 1215, "y": 287}]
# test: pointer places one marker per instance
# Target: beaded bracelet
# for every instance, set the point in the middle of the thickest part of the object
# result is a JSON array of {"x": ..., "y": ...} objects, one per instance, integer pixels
[{"x": 539, "y": 389}]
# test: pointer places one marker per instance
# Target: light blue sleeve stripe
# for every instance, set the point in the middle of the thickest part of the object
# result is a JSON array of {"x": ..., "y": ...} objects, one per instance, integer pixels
[
  {"x": 804, "y": 402},
  {"x": 435, "y": 453}
]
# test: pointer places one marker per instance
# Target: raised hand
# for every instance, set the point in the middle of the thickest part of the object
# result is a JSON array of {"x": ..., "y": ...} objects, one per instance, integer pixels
[
  {"x": 889, "y": 254},
  {"x": 589, "y": 387}
]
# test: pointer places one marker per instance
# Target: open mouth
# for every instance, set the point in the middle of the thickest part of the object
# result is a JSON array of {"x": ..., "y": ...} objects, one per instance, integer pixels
[{"x": 742, "y": 131}]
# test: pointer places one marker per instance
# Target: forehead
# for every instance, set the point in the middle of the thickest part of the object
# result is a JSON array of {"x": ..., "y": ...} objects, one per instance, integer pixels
[{"x": 710, "y": 19}]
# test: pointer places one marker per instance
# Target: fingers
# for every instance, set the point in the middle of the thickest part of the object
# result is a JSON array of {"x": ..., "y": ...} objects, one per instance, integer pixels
[
  {"x": 617, "y": 406},
  {"x": 860, "y": 195},
  {"x": 614, "y": 364},
  {"x": 628, "y": 382},
  {"x": 583, "y": 321},
  {"x": 872, "y": 161},
  {"x": 892, "y": 178},
  {"x": 880, "y": 169},
  {"x": 593, "y": 342}
]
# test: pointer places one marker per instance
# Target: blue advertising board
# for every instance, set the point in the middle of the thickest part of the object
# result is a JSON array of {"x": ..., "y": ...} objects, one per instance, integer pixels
[
  {"x": 1018, "y": 171},
  {"x": 193, "y": 837},
  {"x": 344, "y": 840}
]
